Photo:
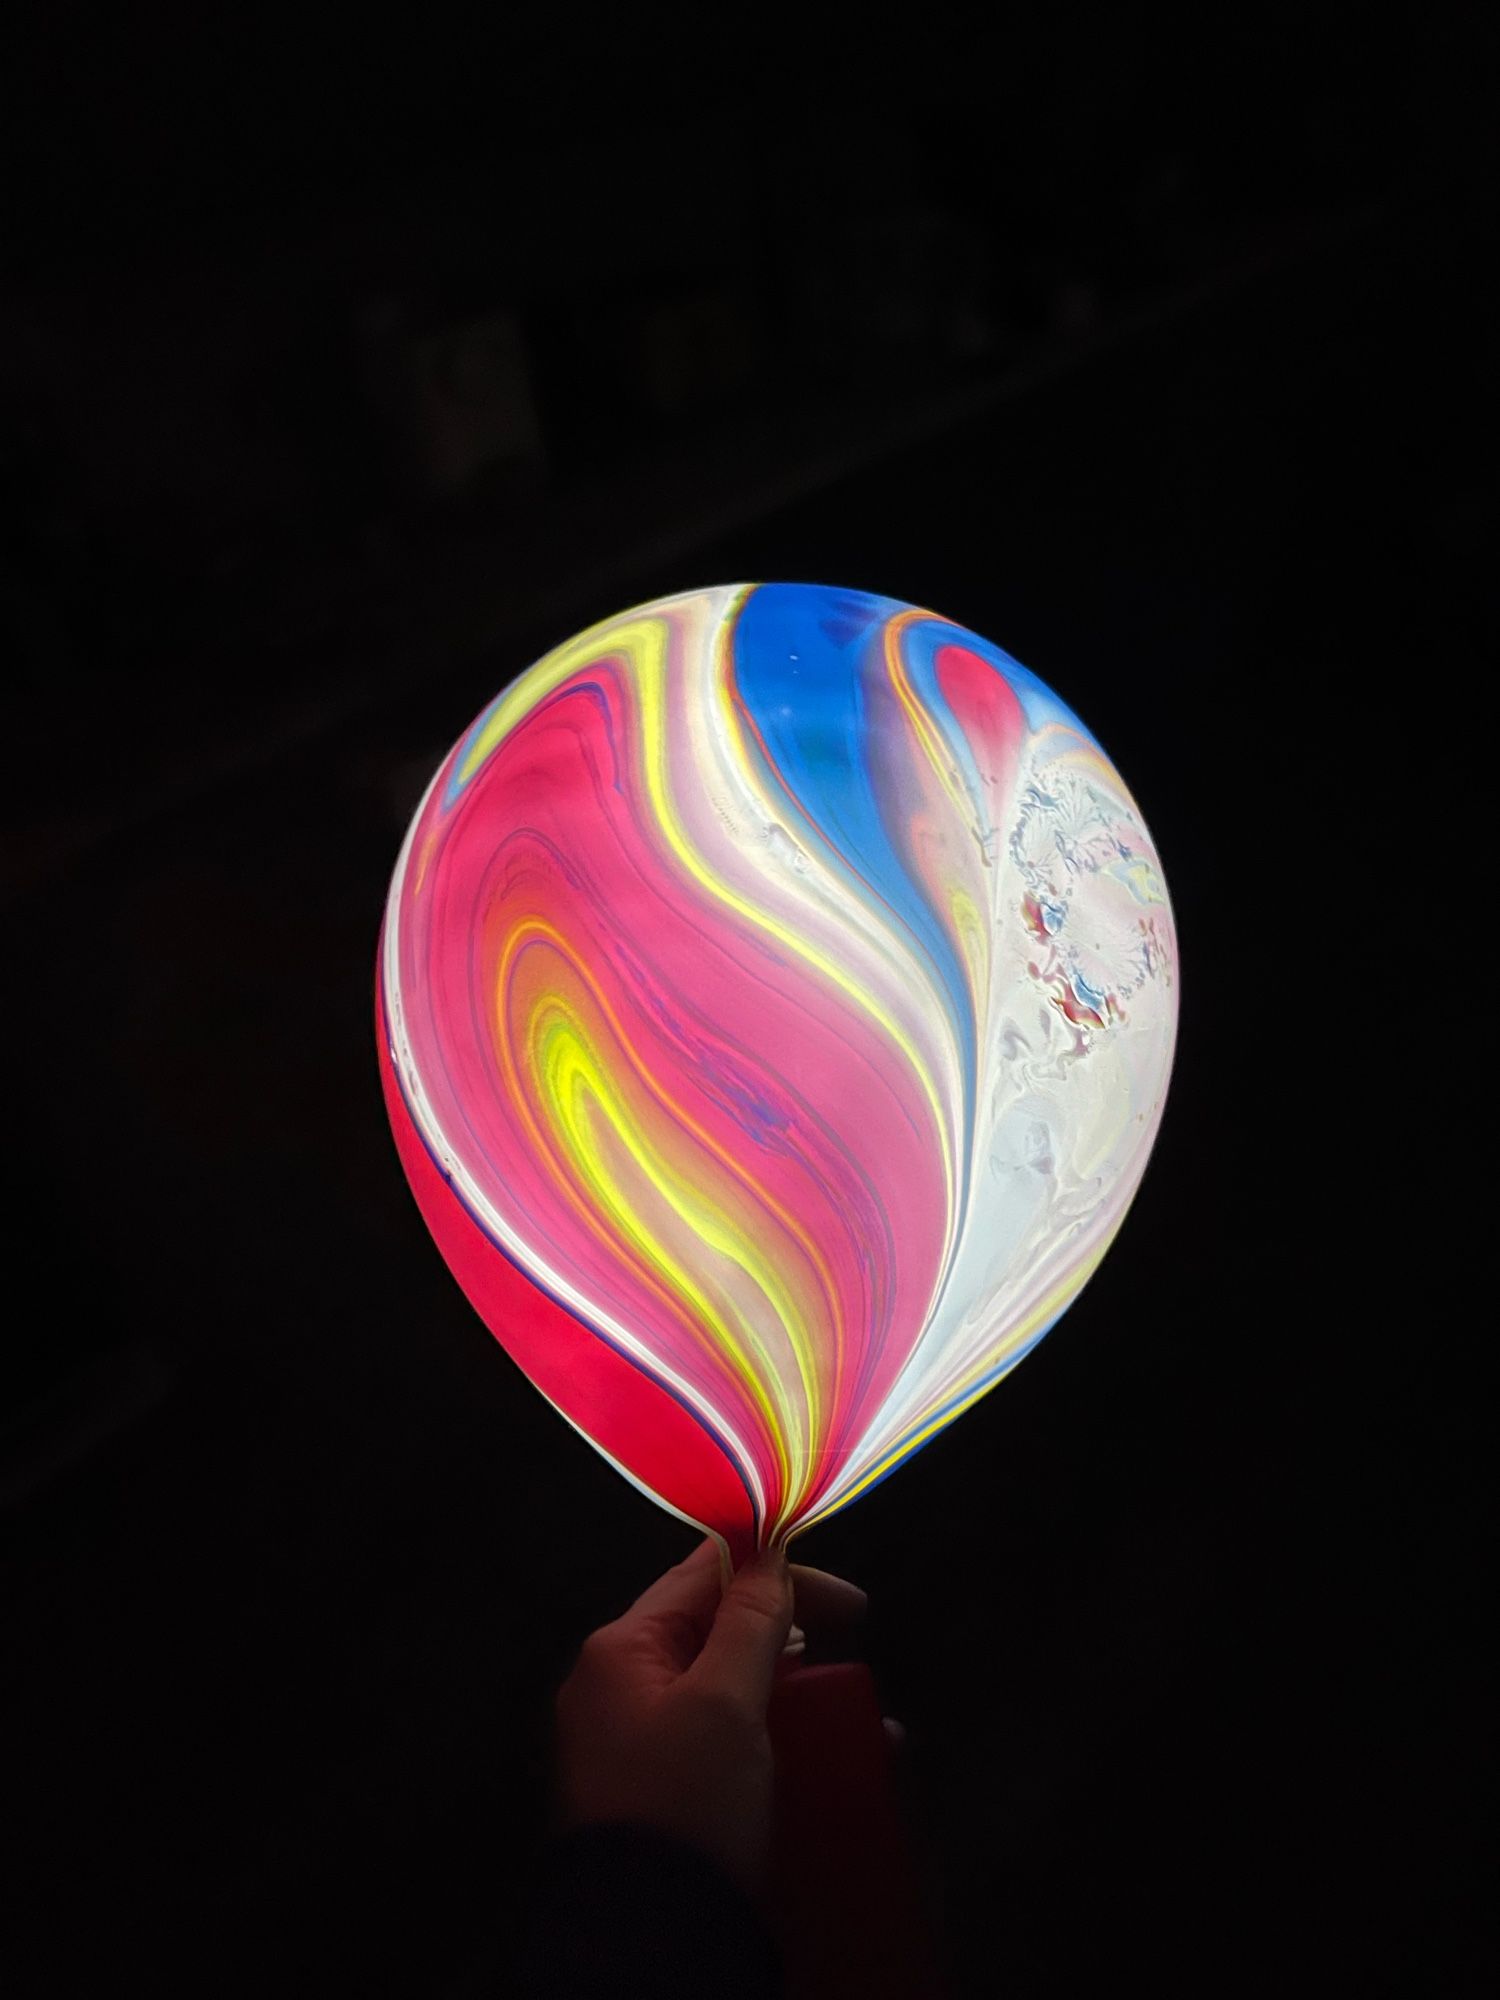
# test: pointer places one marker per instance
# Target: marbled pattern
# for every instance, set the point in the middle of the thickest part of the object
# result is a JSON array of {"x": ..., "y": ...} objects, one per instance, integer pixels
[{"x": 777, "y": 997}]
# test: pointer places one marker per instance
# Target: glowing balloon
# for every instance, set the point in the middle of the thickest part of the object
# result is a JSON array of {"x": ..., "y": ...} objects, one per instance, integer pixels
[{"x": 776, "y": 1000}]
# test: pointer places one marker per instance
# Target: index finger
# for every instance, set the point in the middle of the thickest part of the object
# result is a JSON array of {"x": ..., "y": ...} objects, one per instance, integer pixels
[
  {"x": 829, "y": 1607},
  {"x": 681, "y": 1602}
]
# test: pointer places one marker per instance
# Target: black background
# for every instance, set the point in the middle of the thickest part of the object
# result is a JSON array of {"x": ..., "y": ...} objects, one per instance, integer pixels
[{"x": 1162, "y": 364}]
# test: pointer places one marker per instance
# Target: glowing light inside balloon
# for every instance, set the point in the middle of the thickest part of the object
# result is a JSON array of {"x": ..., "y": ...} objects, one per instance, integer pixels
[{"x": 776, "y": 1002}]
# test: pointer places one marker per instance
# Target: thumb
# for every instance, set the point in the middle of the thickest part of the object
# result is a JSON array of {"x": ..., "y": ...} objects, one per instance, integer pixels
[{"x": 754, "y": 1617}]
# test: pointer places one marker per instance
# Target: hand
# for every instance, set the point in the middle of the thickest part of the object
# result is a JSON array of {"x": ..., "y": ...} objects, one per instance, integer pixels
[{"x": 662, "y": 1722}]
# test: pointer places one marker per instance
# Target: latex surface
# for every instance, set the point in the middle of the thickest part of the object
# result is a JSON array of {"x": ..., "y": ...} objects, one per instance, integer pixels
[{"x": 776, "y": 1003}]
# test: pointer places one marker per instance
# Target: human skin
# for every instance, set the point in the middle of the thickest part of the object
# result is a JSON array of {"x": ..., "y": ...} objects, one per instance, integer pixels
[{"x": 662, "y": 1721}]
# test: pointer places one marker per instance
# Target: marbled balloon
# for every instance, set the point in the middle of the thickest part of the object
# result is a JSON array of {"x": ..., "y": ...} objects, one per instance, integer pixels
[{"x": 776, "y": 1003}]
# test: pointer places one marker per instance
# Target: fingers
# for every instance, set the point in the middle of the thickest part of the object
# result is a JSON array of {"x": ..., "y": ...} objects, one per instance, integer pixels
[
  {"x": 793, "y": 1653},
  {"x": 828, "y": 1608},
  {"x": 693, "y": 1581},
  {"x": 674, "y": 1615},
  {"x": 755, "y": 1617},
  {"x": 674, "y": 1618}
]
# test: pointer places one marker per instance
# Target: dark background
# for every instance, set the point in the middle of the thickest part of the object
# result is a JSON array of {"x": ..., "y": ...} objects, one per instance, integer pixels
[{"x": 341, "y": 375}]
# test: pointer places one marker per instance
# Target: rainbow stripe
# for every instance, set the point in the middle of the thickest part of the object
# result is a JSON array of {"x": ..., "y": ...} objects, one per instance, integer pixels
[{"x": 777, "y": 1000}]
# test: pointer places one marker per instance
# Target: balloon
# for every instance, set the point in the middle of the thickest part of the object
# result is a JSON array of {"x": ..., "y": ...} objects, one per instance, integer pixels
[{"x": 776, "y": 1000}]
